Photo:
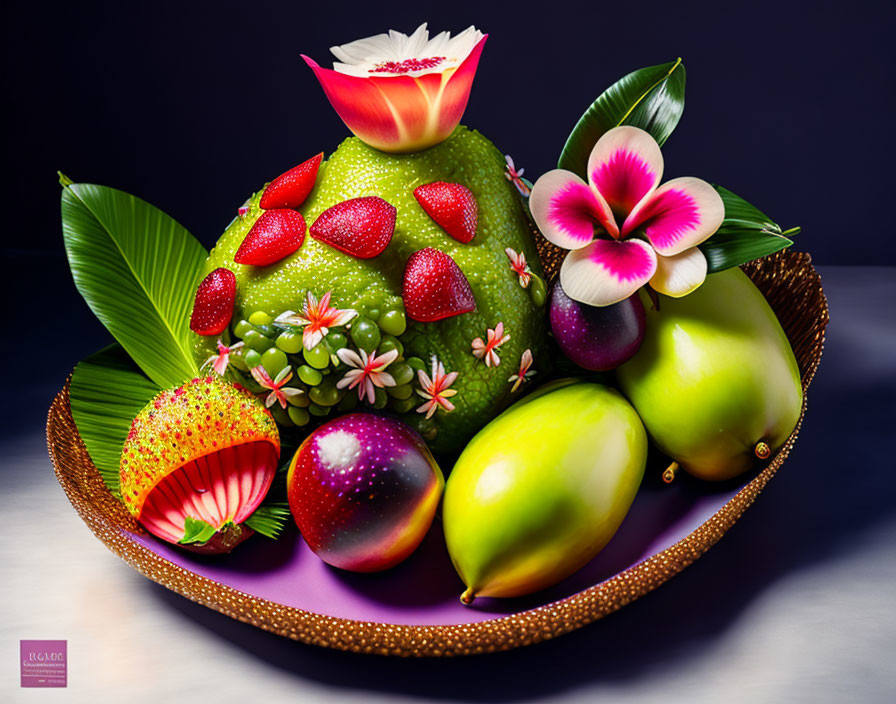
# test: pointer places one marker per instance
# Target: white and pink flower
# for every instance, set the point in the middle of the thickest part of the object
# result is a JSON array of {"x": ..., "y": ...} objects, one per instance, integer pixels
[
  {"x": 316, "y": 319},
  {"x": 488, "y": 349},
  {"x": 525, "y": 372},
  {"x": 402, "y": 93},
  {"x": 219, "y": 362},
  {"x": 279, "y": 391},
  {"x": 367, "y": 373},
  {"x": 520, "y": 266},
  {"x": 435, "y": 389},
  {"x": 624, "y": 229},
  {"x": 515, "y": 176}
]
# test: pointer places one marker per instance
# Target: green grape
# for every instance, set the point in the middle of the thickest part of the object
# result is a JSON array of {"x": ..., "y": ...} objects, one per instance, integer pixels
[
  {"x": 416, "y": 364},
  {"x": 289, "y": 342},
  {"x": 326, "y": 393},
  {"x": 336, "y": 341},
  {"x": 239, "y": 361},
  {"x": 273, "y": 360},
  {"x": 316, "y": 410},
  {"x": 373, "y": 313},
  {"x": 281, "y": 416},
  {"x": 317, "y": 357},
  {"x": 299, "y": 416},
  {"x": 381, "y": 398},
  {"x": 259, "y": 317},
  {"x": 390, "y": 343},
  {"x": 256, "y": 341},
  {"x": 401, "y": 392},
  {"x": 241, "y": 328},
  {"x": 268, "y": 331},
  {"x": 393, "y": 322},
  {"x": 299, "y": 400},
  {"x": 537, "y": 290},
  {"x": 310, "y": 375},
  {"x": 348, "y": 402},
  {"x": 365, "y": 334},
  {"x": 253, "y": 358},
  {"x": 402, "y": 372},
  {"x": 404, "y": 405}
]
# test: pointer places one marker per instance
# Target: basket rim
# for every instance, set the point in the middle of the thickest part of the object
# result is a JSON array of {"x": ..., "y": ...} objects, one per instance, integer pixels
[{"x": 545, "y": 622}]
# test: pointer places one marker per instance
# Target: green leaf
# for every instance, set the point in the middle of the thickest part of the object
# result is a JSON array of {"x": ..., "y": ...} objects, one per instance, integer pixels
[
  {"x": 197, "y": 531},
  {"x": 137, "y": 268},
  {"x": 651, "y": 98},
  {"x": 269, "y": 519},
  {"x": 746, "y": 234},
  {"x": 107, "y": 390}
]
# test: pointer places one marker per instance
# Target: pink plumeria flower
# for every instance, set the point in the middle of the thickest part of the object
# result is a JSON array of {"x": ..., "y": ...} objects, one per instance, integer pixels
[
  {"x": 489, "y": 350},
  {"x": 220, "y": 361},
  {"x": 435, "y": 389},
  {"x": 516, "y": 177},
  {"x": 524, "y": 373},
  {"x": 402, "y": 93},
  {"x": 603, "y": 221},
  {"x": 520, "y": 266},
  {"x": 316, "y": 319},
  {"x": 367, "y": 372},
  {"x": 277, "y": 386}
]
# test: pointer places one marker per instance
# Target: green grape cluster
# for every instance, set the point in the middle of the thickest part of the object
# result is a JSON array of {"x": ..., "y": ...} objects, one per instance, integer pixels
[{"x": 317, "y": 371}]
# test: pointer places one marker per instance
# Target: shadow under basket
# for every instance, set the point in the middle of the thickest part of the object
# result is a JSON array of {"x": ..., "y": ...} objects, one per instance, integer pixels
[{"x": 362, "y": 613}]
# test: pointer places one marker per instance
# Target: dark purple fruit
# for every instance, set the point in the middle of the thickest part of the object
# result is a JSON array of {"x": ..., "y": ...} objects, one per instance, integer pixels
[{"x": 597, "y": 338}]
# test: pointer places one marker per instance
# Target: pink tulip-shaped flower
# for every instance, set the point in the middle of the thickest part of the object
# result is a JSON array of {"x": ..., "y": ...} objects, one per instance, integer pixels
[
  {"x": 624, "y": 229},
  {"x": 402, "y": 93}
]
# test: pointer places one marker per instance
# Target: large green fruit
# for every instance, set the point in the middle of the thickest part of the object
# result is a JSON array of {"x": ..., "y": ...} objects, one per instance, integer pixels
[
  {"x": 714, "y": 377},
  {"x": 374, "y": 285},
  {"x": 542, "y": 488}
]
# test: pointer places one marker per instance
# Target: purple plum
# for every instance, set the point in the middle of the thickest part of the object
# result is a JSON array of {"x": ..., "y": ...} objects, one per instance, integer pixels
[{"x": 597, "y": 338}]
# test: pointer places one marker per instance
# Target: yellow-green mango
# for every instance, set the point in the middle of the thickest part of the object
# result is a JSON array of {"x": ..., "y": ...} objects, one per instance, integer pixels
[
  {"x": 542, "y": 488},
  {"x": 715, "y": 377}
]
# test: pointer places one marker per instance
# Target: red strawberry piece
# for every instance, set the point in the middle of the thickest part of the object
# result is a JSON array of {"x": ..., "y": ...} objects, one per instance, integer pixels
[
  {"x": 361, "y": 227},
  {"x": 434, "y": 287},
  {"x": 213, "y": 305},
  {"x": 289, "y": 190},
  {"x": 452, "y": 206},
  {"x": 276, "y": 234}
]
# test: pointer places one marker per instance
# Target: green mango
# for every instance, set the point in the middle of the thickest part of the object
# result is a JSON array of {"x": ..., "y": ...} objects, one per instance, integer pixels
[
  {"x": 541, "y": 489},
  {"x": 715, "y": 378}
]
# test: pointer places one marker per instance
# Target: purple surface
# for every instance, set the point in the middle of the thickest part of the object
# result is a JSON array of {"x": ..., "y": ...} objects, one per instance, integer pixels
[{"x": 425, "y": 589}]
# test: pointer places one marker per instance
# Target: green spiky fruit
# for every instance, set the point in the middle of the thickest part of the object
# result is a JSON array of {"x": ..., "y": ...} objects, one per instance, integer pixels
[{"x": 373, "y": 286}]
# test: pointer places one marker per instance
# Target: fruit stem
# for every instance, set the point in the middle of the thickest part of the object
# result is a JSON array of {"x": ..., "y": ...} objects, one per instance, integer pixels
[
  {"x": 467, "y": 597},
  {"x": 762, "y": 450},
  {"x": 670, "y": 472}
]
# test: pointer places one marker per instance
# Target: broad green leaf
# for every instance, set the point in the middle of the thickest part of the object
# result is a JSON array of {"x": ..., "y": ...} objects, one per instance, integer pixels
[
  {"x": 107, "y": 391},
  {"x": 198, "y": 531},
  {"x": 746, "y": 234},
  {"x": 137, "y": 268},
  {"x": 651, "y": 98}
]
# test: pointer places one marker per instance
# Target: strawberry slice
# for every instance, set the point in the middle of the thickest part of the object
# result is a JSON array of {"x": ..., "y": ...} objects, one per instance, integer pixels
[
  {"x": 213, "y": 305},
  {"x": 434, "y": 287},
  {"x": 275, "y": 235},
  {"x": 289, "y": 190},
  {"x": 361, "y": 227},
  {"x": 452, "y": 206}
]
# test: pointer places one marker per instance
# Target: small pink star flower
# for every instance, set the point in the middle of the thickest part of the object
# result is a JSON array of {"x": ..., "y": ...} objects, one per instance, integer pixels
[
  {"x": 522, "y": 376},
  {"x": 316, "y": 319},
  {"x": 516, "y": 177},
  {"x": 243, "y": 210},
  {"x": 367, "y": 372},
  {"x": 220, "y": 361},
  {"x": 489, "y": 350},
  {"x": 520, "y": 266},
  {"x": 277, "y": 386},
  {"x": 435, "y": 390}
]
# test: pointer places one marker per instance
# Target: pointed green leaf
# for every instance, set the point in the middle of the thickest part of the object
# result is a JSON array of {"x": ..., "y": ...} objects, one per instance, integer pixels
[
  {"x": 137, "y": 268},
  {"x": 746, "y": 234},
  {"x": 651, "y": 98},
  {"x": 197, "y": 531},
  {"x": 269, "y": 518},
  {"x": 107, "y": 391}
]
